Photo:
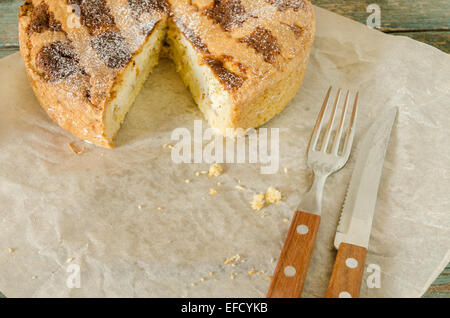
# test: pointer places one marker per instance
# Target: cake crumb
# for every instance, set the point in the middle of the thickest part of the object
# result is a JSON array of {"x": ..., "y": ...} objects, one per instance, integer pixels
[
  {"x": 202, "y": 279},
  {"x": 258, "y": 201},
  {"x": 160, "y": 208},
  {"x": 232, "y": 276},
  {"x": 69, "y": 260},
  {"x": 11, "y": 250},
  {"x": 286, "y": 220},
  {"x": 215, "y": 170},
  {"x": 211, "y": 273},
  {"x": 232, "y": 259},
  {"x": 34, "y": 277},
  {"x": 212, "y": 191},
  {"x": 197, "y": 174},
  {"x": 239, "y": 187},
  {"x": 169, "y": 146},
  {"x": 187, "y": 181},
  {"x": 286, "y": 170},
  {"x": 251, "y": 272},
  {"x": 75, "y": 150},
  {"x": 268, "y": 277},
  {"x": 273, "y": 196},
  {"x": 193, "y": 284}
]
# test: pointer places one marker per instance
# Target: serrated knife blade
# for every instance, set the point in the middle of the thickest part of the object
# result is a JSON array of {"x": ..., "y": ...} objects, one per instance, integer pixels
[{"x": 357, "y": 213}]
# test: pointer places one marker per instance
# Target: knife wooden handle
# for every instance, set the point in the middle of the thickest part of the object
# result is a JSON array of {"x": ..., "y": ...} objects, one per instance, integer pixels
[
  {"x": 347, "y": 272},
  {"x": 290, "y": 273}
]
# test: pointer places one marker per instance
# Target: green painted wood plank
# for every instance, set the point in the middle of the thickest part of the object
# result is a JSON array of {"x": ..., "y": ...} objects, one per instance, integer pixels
[
  {"x": 8, "y": 22},
  {"x": 5, "y": 51},
  {"x": 400, "y": 15},
  {"x": 437, "y": 295},
  {"x": 441, "y": 40}
]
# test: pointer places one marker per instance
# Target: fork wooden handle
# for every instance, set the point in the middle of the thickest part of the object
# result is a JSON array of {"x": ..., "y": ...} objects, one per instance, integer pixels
[
  {"x": 290, "y": 273},
  {"x": 347, "y": 272}
]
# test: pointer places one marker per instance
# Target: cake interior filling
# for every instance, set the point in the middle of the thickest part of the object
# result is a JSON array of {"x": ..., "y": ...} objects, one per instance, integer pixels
[
  {"x": 206, "y": 90},
  {"x": 131, "y": 80}
]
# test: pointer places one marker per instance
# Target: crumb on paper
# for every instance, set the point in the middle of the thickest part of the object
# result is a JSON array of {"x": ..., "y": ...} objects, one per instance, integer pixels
[
  {"x": 251, "y": 272},
  {"x": 193, "y": 284},
  {"x": 273, "y": 196},
  {"x": 258, "y": 201},
  {"x": 11, "y": 250},
  {"x": 219, "y": 184},
  {"x": 273, "y": 259},
  {"x": 197, "y": 174},
  {"x": 187, "y": 181},
  {"x": 76, "y": 150},
  {"x": 212, "y": 191},
  {"x": 160, "y": 208},
  {"x": 286, "y": 220},
  {"x": 239, "y": 187},
  {"x": 34, "y": 277},
  {"x": 268, "y": 277},
  {"x": 69, "y": 260},
  {"x": 215, "y": 170},
  {"x": 286, "y": 170},
  {"x": 202, "y": 279},
  {"x": 140, "y": 207},
  {"x": 211, "y": 273},
  {"x": 167, "y": 146},
  {"x": 232, "y": 276},
  {"x": 233, "y": 259}
]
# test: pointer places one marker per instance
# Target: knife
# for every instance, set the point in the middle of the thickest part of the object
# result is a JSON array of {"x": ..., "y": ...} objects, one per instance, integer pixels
[{"x": 353, "y": 232}]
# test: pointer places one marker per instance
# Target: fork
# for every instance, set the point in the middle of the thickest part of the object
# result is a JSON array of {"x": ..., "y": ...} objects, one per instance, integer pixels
[{"x": 290, "y": 273}]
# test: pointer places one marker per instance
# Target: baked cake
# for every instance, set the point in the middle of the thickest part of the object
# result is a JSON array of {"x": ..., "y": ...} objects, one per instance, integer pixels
[{"x": 243, "y": 60}]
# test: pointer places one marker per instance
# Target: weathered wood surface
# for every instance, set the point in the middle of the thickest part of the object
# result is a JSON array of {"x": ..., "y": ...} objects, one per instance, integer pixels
[{"x": 426, "y": 21}]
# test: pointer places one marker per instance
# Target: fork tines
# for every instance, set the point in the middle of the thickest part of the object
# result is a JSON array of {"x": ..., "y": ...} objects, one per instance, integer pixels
[{"x": 323, "y": 143}]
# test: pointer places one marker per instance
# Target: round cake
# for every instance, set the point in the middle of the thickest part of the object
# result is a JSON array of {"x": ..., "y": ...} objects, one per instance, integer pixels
[{"x": 87, "y": 60}]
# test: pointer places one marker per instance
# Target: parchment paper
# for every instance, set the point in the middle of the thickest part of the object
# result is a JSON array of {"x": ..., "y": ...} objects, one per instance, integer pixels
[{"x": 58, "y": 208}]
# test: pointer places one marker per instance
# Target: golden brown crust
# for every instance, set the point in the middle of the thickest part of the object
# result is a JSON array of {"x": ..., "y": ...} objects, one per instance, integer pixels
[
  {"x": 76, "y": 51},
  {"x": 74, "y": 68}
]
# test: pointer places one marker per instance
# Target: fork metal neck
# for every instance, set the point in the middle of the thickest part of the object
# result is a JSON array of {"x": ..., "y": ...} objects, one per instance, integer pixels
[{"x": 312, "y": 201}]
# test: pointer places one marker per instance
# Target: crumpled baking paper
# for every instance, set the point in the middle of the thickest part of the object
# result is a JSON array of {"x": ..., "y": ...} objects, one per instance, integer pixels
[{"x": 92, "y": 220}]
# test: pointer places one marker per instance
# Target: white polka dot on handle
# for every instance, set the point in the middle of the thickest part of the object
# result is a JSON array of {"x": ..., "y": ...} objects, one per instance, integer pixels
[
  {"x": 345, "y": 294},
  {"x": 302, "y": 229},
  {"x": 351, "y": 262},
  {"x": 290, "y": 271}
]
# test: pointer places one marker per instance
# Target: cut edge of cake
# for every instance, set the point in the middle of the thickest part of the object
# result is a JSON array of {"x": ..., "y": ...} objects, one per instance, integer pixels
[{"x": 131, "y": 80}]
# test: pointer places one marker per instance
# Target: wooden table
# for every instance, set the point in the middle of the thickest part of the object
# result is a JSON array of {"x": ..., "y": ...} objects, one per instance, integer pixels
[{"x": 424, "y": 20}]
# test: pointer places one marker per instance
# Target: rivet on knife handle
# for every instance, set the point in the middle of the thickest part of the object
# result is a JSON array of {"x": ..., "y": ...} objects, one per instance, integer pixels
[
  {"x": 290, "y": 273},
  {"x": 347, "y": 272}
]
